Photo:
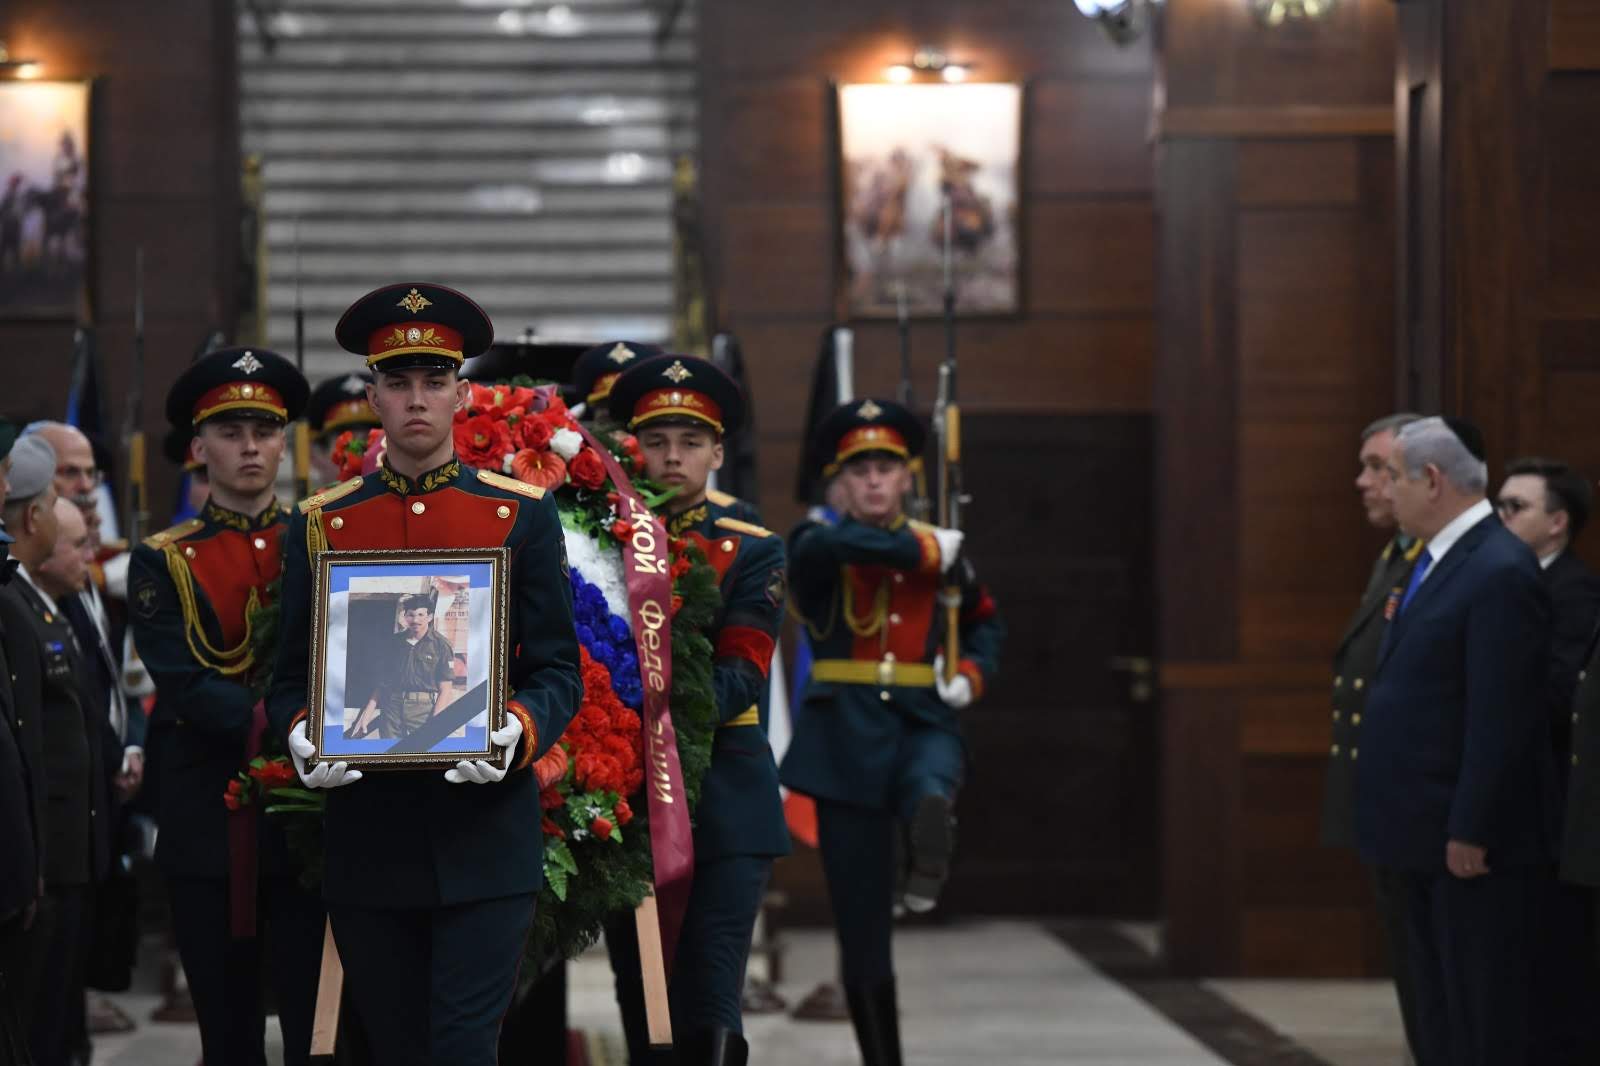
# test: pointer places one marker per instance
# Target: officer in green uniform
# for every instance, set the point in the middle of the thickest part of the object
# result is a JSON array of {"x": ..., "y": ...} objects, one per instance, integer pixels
[
  {"x": 191, "y": 591},
  {"x": 431, "y": 878},
  {"x": 1353, "y": 664},
  {"x": 681, "y": 408},
  {"x": 419, "y": 668},
  {"x": 879, "y": 744}
]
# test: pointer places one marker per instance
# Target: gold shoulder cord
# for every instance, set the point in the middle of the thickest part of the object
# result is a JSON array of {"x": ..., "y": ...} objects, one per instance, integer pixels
[
  {"x": 316, "y": 536},
  {"x": 873, "y": 622},
  {"x": 194, "y": 632}
]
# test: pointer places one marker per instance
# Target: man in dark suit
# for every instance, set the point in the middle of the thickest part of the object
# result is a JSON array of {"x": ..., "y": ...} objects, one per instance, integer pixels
[
  {"x": 1546, "y": 504},
  {"x": 1454, "y": 793},
  {"x": 76, "y": 843},
  {"x": 21, "y": 812},
  {"x": 1353, "y": 663}
]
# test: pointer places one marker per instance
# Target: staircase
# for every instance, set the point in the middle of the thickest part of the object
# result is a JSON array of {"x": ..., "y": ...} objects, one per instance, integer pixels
[{"x": 519, "y": 151}]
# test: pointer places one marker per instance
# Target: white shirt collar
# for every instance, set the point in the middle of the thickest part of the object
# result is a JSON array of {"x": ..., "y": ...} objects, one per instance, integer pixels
[
  {"x": 1546, "y": 561},
  {"x": 49, "y": 601},
  {"x": 1446, "y": 538}
]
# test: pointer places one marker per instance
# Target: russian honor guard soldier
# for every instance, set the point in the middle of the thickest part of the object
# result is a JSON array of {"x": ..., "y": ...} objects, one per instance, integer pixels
[
  {"x": 337, "y": 404},
  {"x": 192, "y": 589},
  {"x": 681, "y": 408},
  {"x": 598, "y": 369},
  {"x": 879, "y": 746},
  {"x": 431, "y": 877}
]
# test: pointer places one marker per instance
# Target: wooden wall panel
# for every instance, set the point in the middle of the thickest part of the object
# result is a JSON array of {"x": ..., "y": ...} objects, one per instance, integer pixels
[
  {"x": 1574, "y": 35},
  {"x": 165, "y": 176},
  {"x": 1276, "y": 304}
]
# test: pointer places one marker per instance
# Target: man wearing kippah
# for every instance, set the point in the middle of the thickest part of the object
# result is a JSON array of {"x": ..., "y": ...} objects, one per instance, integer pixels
[
  {"x": 431, "y": 877},
  {"x": 191, "y": 591},
  {"x": 1455, "y": 788}
]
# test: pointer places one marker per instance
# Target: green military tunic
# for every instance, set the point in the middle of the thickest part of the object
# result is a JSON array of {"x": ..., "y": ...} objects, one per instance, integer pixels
[
  {"x": 417, "y": 674},
  {"x": 1353, "y": 665}
]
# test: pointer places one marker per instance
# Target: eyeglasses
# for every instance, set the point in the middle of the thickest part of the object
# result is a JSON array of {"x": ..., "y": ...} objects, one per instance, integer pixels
[{"x": 1510, "y": 506}]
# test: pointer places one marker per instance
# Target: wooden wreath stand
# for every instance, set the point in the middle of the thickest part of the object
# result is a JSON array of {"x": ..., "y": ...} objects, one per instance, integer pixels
[{"x": 652, "y": 966}]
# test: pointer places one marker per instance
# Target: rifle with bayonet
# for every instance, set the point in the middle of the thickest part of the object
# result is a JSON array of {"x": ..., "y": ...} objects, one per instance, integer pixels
[
  {"x": 917, "y": 503},
  {"x": 947, "y": 431},
  {"x": 302, "y": 430},
  {"x": 136, "y": 516}
]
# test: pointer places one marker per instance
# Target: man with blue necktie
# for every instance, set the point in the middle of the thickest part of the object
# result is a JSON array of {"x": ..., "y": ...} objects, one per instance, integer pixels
[{"x": 1455, "y": 787}]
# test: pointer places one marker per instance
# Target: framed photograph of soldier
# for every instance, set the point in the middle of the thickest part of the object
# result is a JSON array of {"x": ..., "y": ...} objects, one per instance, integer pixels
[
  {"x": 44, "y": 198},
  {"x": 902, "y": 147},
  {"x": 408, "y": 656}
]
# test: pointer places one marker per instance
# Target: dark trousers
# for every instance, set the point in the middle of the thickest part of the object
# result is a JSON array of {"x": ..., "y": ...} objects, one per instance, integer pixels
[
  {"x": 1566, "y": 977},
  {"x": 1471, "y": 945},
  {"x": 56, "y": 960},
  {"x": 707, "y": 982},
  {"x": 858, "y": 858},
  {"x": 1389, "y": 887},
  {"x": 431, "y": 986},
  {"x": 15, "y": 989},
  {"x": 225, "y": 975}
]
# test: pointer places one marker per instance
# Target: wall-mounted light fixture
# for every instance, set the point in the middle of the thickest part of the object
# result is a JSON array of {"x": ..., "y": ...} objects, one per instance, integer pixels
[
  {"x": 17, "y": 67},
  {"x": 1122, "y": 20},
  {"x": 928, "y": 61},
  {"x": 1278, "y": 12}
]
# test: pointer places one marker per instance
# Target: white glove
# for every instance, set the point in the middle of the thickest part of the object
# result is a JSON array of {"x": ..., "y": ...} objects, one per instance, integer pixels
[
  {"x": 949, "y": 546},
  {"x": 325, "y": 774},
  {"x": 957, "y": 692},
  {"x": 483, "y": 772}
]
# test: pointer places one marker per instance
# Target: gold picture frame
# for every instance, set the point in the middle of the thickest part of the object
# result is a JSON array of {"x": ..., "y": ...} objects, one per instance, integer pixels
[{"x": 408, "y": 656}]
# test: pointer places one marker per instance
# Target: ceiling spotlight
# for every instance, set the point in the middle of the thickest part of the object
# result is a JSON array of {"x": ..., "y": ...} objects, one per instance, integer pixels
[
  {"x": 22, "y": 68},
  {"x": 899, "y": 73},
  {"x": 1122, "y": 20},
  {"x": 953, "y": 73},
  {"x": 928, "y": 60},
  {"x": 1278, "y": 12}
]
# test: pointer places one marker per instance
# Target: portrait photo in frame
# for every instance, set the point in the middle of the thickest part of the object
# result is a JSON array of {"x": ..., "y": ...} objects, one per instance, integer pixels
[
  {"x": 408, "y": 656},
  {"x": 44, "y": 198},
  {"x": 901, "y": 148}
]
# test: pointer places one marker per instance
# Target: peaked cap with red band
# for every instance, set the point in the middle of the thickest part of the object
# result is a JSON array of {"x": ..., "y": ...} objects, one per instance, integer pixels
[
  {"x": 414, "y": 324},
  {"x": 597, "y": 369},
  {"x": 237, "y": 383},
  {"x": 867, "y": 427},
  {"x": 677, "y": 390},
  {"x": 340, "y": 403}
]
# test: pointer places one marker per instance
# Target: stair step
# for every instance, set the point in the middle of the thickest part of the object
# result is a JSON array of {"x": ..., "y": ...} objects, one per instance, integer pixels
[
  {"x": 472, "y": 200},
  {"x": 282, "y": 142},
  {"x": 272, "y": 80},
  {"x": 521, "y": 53},
  {"x": 563, "y": 22},
  {"x": 355, "y": 234},
  {"x": 530, "y": 264}
]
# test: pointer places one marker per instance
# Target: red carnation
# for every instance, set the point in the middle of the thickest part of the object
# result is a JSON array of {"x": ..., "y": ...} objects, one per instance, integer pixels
[
  {"x": 483, "y": 441},
  {"x": 624, "y": 812},
  {"x": 586, "y": 470},
  {"x": 536, "y": 433},
  {"x": 621, "y": 530},
  {"x": 551, "y": 829},
  {"x": 551, "y": 800},
  {"x": 275, "y": 773},
  {"x": 601, "y": 828}
]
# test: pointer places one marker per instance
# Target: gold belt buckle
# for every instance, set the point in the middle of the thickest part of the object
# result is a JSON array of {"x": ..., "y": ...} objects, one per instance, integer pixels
[{"x": 886, "y": 672}]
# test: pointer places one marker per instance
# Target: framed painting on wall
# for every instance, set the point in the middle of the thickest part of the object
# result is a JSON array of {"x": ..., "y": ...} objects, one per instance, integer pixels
[
  {"x": 44, "y": 198},
  {"x": 903, "y": 148}
]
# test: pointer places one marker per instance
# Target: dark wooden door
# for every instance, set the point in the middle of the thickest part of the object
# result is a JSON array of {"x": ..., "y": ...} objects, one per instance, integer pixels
[{"x": 1060, "y": 813}]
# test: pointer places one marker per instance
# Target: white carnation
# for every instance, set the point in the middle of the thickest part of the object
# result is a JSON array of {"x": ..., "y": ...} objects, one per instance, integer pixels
[
  {"x": 601, "y": 568},
  {"x": 505, "y": 464},
  {"x": 565, "y": 443}
]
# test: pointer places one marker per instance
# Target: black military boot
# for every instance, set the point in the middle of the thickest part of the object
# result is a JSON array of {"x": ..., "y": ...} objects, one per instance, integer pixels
[
  {"x": 877, "y": 1023},
  {"x": 930, "y": 841},
  {"x": 714, "y": 1047}
]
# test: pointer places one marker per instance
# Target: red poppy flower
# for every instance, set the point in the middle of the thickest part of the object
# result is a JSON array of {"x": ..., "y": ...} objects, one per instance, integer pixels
[{"x": 483, "y": 441}]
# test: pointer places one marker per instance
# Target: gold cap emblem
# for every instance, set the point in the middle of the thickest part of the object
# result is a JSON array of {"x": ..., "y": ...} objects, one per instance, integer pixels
[
  {"x": 620, "y": 354},
  {"x": 677, "y": 372},
  {"x": 869, "y": 410},
  {"x": 248, "y": 363},
  {"x": 415, "y": 302}
]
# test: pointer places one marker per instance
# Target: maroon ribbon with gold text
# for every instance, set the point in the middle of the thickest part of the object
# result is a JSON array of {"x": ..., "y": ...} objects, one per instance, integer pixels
[{"x": 646, "y": 565}]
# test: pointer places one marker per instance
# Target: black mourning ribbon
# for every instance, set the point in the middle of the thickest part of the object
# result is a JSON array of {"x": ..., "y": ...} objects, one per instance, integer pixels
[{"x": 441, "y": 725}]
